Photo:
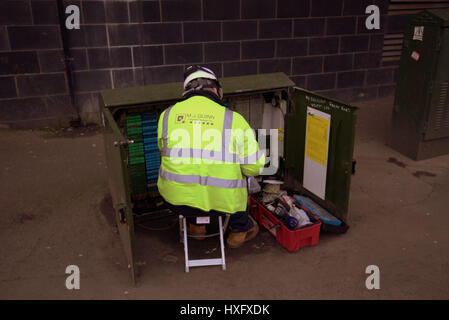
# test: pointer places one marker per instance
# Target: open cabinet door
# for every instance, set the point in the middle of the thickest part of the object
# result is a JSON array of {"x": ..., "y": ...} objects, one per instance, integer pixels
[
  {"x": 340, "y": 146},
  {"x": 116, "y": 158}
]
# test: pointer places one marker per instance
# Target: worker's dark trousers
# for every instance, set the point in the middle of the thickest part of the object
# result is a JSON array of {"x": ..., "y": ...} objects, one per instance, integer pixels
[{"x": 238, "y": 221}]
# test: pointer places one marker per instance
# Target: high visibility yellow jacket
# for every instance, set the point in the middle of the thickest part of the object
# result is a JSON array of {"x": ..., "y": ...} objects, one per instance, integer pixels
[{"x": 206, "y": 152}]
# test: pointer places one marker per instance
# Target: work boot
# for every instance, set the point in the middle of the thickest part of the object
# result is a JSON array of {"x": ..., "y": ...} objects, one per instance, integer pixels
[
  {"x": 196, "y": 230},
  {"x": 236, "y": 239}
]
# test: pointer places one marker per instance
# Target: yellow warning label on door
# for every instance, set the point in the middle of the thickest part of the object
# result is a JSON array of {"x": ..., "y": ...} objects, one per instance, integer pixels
[{"x": 317, "y": 136}]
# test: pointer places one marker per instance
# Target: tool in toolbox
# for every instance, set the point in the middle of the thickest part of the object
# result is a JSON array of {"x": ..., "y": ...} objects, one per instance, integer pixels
[
  {"x": 300, "y": 215},
  {"x": 272, "y": 186},
  {"x": 280, "y": 210}
]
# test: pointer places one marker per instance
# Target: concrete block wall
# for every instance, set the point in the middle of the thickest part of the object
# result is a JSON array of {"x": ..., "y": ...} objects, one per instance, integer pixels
[
  {"x": 33, "y": 84},
  {"x": 322, "y": 45}
]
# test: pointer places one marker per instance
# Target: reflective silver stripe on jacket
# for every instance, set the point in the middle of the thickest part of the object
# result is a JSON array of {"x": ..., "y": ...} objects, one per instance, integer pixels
[
  {"x": 204, "y": 181},
  {"x": 165, "y": 127}
]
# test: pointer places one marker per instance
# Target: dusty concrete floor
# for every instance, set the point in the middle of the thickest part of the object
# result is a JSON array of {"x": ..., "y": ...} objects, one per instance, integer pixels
[{"x": 55, "y": 212}]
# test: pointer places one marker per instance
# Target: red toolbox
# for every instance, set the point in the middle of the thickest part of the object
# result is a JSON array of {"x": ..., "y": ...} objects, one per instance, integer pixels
[{"x": 292, "y": 240}]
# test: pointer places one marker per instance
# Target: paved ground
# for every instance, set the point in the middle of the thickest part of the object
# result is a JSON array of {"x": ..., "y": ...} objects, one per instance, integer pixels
[{"x": 55, "y": 212}]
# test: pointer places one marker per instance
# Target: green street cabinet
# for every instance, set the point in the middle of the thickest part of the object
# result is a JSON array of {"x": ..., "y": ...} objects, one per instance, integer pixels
[
  {"x": 420, "y": 120},
  {"x": 312, "y": 145}
]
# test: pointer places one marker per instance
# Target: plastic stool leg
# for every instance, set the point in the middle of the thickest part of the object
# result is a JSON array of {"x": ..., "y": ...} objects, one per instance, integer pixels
[
  {"x": 223, "y": 265},
  {"x": 186, "y": 249},
  {"x": 226, "y": 222},
  {"x": 181, "y": 235}
]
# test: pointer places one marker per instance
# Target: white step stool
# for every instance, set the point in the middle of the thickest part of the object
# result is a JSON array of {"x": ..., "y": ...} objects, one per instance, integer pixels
[{"x": 203, "y": 262}]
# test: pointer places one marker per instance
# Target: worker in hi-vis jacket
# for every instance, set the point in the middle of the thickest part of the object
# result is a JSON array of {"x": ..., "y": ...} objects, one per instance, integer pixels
[{"x": 207, "y": 151}]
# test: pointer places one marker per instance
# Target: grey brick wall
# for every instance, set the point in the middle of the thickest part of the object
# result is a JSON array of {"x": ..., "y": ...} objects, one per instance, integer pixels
[
  {"x": 33, "y": 84},
  {"x": 321, "y": 44}
]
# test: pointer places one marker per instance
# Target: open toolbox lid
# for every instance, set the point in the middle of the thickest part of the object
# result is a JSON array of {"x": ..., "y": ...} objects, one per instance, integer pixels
[
  {"x": 337, "y": 169},
  {"x": 172, "y": 92}
]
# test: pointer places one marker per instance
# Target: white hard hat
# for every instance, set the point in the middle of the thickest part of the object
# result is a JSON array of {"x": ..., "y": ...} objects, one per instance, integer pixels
[{"x": 198, "y": 73}]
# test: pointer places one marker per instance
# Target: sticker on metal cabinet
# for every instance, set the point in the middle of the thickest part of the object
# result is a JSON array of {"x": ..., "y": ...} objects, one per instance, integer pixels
[
  {"x": 317, "y": 138},
  {"x": 415, "y": 55},
  {"x": 418, "y": 33}
]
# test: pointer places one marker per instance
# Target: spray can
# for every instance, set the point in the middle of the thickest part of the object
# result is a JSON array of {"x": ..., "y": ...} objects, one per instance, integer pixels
[{"x": 281, "y": 209}]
